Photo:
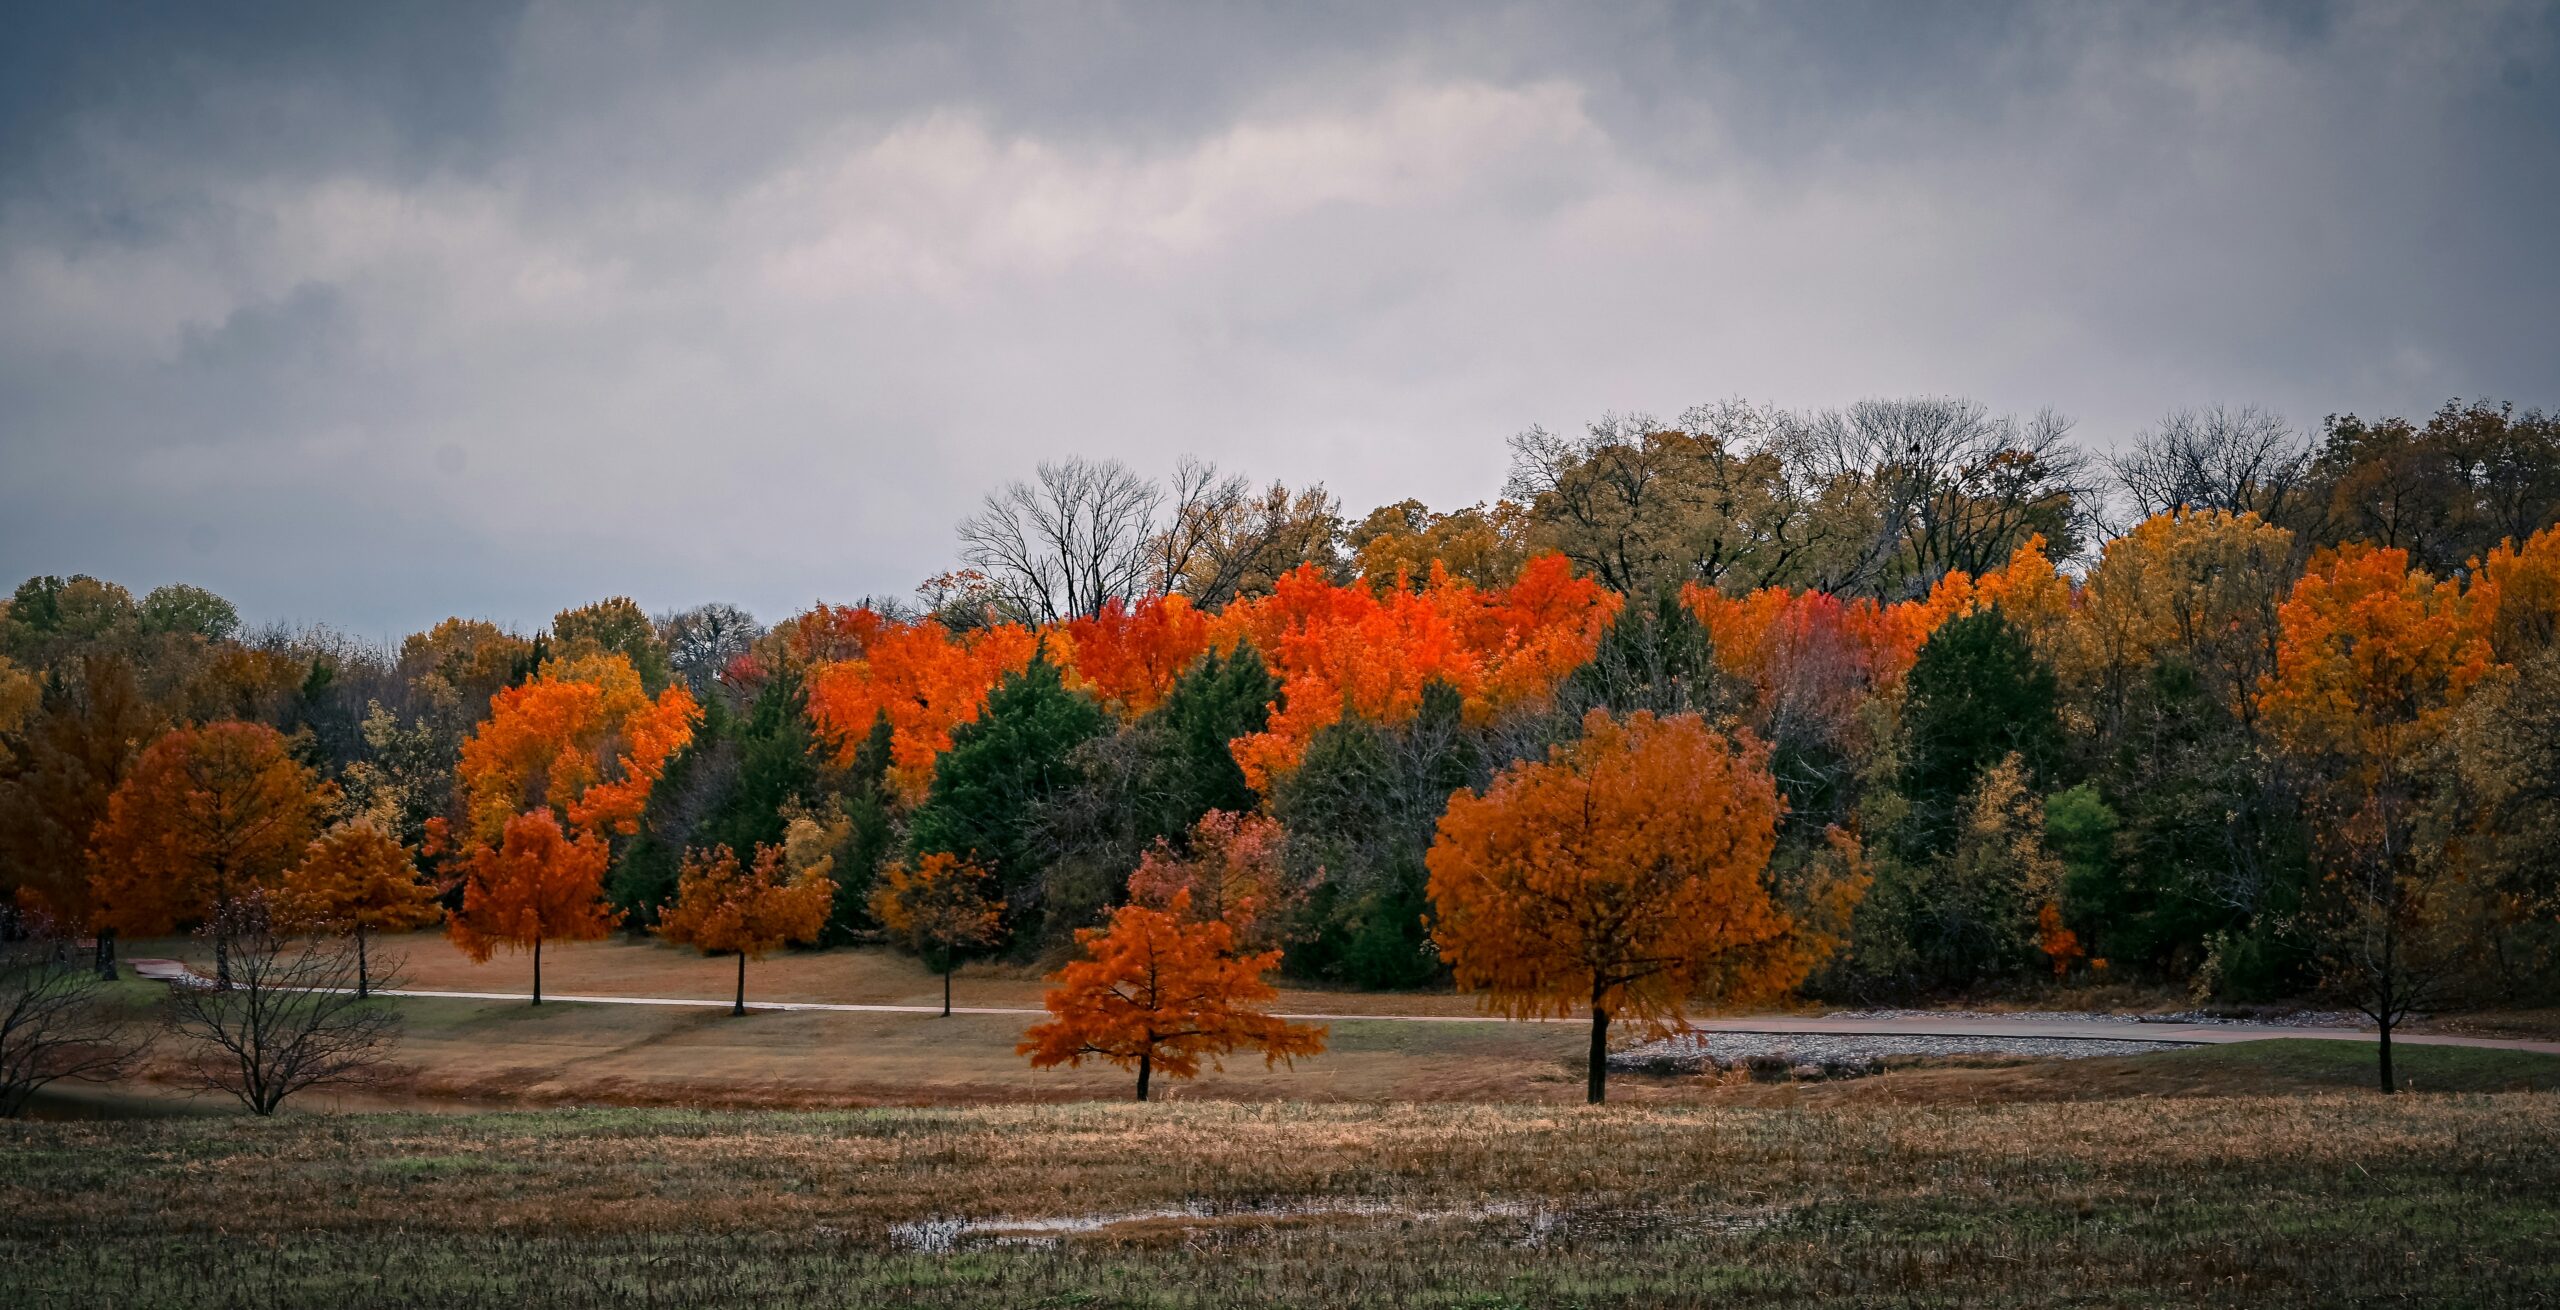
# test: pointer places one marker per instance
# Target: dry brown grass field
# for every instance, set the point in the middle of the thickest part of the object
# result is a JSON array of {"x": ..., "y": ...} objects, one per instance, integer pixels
[
  {"x": 633, "y": 1156},
  {"x": 2325, "y": 1199}
]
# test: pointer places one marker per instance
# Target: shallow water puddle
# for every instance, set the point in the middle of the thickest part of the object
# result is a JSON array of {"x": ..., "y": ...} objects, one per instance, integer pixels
[{"x": 1542, "y": 1224}]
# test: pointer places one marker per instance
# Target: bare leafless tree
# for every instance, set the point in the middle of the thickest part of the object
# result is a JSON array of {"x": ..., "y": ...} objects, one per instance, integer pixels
[
  {"x": 1913, "y": 489},
  {"x": 290, "y": 1018},
  {"x": 1239, "y": 543},
  {"x": 2235, "y": 460},
  {"x": 703, "y": 640},
  {"x": 55, "y": 1020},
  {"x": 1076, "y": 538},
  {"x": 1203, "y": 500}
]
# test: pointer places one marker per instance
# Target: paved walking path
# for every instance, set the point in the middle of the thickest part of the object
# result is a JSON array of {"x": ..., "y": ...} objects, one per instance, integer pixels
[{"x": 1907, "y": 1025}]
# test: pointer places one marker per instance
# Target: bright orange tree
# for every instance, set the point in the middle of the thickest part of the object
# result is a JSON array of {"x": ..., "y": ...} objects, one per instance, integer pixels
[
  {"x": 581, "y": 738},
  {"x": 535, "y": 884},
  {"x": 1354, "y": 649},
  {"x": 939, "y": 907},
  {"x": 929, "y": 682},
  {"x": 207, "y": 815},
  {"x": 1158, "y": 989},
  {"x": 1130, "y": 655},
  {"x": 1624, "y": 873},
  {"x": 723, "y": 908},
  {"x": 357, "y": 879}
]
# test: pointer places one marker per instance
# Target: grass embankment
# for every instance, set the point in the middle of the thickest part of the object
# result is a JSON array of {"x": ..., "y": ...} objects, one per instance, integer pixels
[{"x": 2314, "y": 1200}]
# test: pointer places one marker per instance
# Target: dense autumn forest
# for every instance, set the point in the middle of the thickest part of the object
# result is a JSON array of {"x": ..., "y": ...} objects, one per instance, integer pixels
[{"x": 1917, "y": 699}]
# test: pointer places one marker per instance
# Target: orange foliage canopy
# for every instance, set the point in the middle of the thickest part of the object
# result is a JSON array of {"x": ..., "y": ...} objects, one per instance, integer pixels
[
  {"x": 536, "y": 884},
  {"x": 1131, "y": 655},
  {"x": 581, "y": 738},
  {"x": 1623, "y": 873},
  {"x": 1767, "y": 638},
  {"x": 1160, "y": 990},
  {"x": 723, "y": 908},
  {"x": 1354, "y": 649},
  {"x": 926, "y": 679},
  {"x": 207, "y": 815},
  {"x": 357, "y": 878},
  {"x": 2516, "y": 595},
  {"x": 2374, "y": 656}
]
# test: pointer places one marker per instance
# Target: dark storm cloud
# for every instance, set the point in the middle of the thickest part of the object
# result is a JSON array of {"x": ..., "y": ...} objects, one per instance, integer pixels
[{"x": 372, "y": 313}]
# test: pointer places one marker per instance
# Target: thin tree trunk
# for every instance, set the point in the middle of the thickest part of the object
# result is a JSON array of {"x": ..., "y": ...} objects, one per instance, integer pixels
[
  {"x": 1596, "y": 1090},
  {"x": 537, "y": 971},
  {"x": 741, "y": 1007},
  {"x": 221, "y": 957},
  {"x": 1146, "y": 1066},
  {"x": 2385, "y": 1044},
  {"x": 946, "y": 993},
  {"x": 364, "y": 979},
  {"x": 106, "y": 960}
]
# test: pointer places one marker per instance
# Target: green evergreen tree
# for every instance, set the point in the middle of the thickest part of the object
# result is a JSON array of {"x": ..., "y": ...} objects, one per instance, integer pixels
[
  {"x": 1003, "y": 768},
  {"x": 1976, "y": 693},
  {"x": 1655, "y": 656},
  {"x": 777, "y": 770},
  {"x": 870, "y": 811},
  {"x": 1360, "y": 810}
]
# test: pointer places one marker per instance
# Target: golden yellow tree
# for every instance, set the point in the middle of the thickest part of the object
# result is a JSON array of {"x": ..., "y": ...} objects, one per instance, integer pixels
[
  {"x": 1624, "y": 873},
  {"x": 356, "y": 879},
  {"x": 2375, "y": 659}
]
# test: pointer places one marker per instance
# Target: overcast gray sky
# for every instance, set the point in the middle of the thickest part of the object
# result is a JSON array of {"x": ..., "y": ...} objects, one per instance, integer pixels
[{"x": 373, "y": 313}]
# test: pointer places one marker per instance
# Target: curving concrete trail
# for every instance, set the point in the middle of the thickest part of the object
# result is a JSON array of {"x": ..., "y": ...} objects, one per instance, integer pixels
[{"x": 2201, "y": 1034}]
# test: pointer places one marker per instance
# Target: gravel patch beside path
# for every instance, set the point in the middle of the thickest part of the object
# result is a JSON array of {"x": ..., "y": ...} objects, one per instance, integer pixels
[{"x": 1837, "y": 1053}]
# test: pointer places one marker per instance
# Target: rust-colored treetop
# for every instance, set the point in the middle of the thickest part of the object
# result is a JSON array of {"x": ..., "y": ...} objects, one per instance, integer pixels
[
  {"x": 1160, "y": 991},
  {"x": 206, "y": 815},
  {"x": 1232, "y": 871},
  {"x": 1624, "y": 873},
  {"x": 723, "y": 907},
  {"x": 535, "y": 884},
  {"x": 938, "y": 905},
  {"x": 581, "y": 738},
  {"x": 357, "y": 876}
]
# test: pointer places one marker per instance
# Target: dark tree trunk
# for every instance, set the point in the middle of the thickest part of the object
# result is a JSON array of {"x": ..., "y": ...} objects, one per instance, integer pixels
[
  {"x": 2388, "y": 1086},
  {"x": 1146, "y": 1066},
  {"x": 106, "y": 959},
  {"x": 364, "y": 978},
  {"x": 741, "y": 1007},
  {"x": 1596, "y": 1090},
  {"x": 537, "y": 971},
  {"x": 946, "y": 993}
]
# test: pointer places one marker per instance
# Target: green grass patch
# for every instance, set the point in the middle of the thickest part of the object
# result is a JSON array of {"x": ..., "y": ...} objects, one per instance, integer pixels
[{"x": 2423, "y": 1068}]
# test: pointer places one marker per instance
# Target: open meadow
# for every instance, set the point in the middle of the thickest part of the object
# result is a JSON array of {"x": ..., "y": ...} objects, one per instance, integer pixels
[
  {"x": 2323, "y": 1199},
  {"x": 591, "y": 1155}
]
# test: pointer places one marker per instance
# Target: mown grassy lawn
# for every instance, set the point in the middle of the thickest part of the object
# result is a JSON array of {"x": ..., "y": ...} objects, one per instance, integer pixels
[{"x": 2322, "y": 1199}]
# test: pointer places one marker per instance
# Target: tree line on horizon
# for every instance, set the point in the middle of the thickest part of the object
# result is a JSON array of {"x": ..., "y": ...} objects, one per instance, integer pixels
[{"x": 1904, "y": 699}]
